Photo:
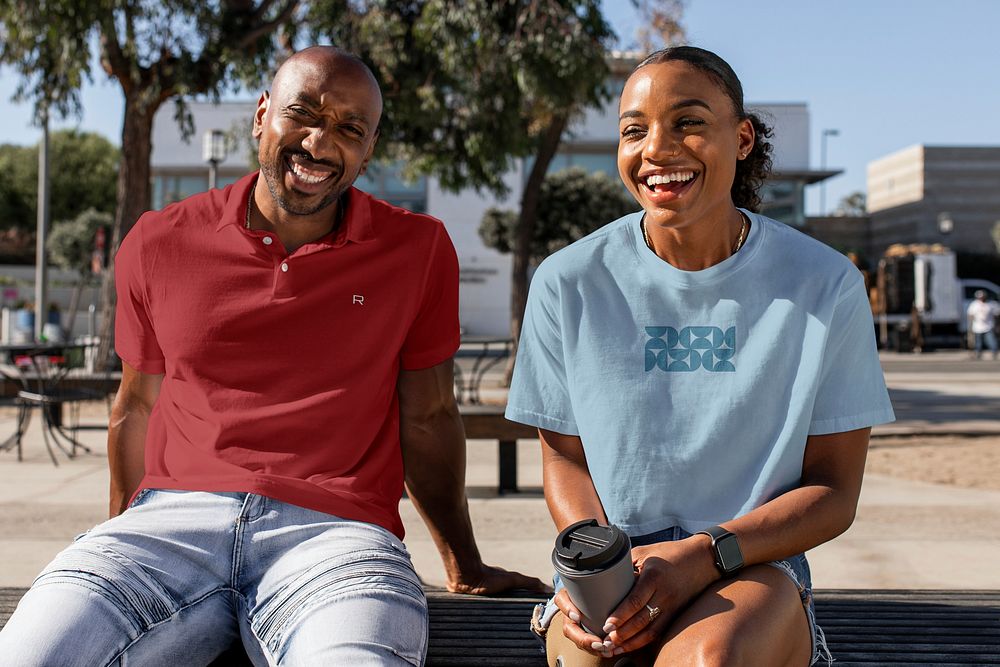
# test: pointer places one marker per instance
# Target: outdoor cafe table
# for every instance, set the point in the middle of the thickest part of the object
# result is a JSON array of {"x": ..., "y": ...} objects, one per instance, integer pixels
[{"x": 39, "y": 368}]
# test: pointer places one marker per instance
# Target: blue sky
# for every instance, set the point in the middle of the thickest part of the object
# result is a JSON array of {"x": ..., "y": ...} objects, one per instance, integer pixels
[{"x": 886, "y": 73}]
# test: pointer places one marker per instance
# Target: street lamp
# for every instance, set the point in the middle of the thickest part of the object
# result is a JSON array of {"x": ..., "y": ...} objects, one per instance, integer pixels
[
  {"x": 213, "y": 151},
  {"x": 822, "y": 165},
  {"x": 43, "y": 220},
  {"x": 945, "y": 223}
]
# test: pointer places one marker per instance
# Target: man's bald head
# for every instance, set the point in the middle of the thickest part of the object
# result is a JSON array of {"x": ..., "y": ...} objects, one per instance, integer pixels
[
  {"x": 326, "y": 62},
  {"x": 317, "y": 129}
]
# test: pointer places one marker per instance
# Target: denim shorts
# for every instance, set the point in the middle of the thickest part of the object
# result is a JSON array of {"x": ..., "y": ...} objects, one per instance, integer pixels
[
  {"x": 795, "y": 568},
  {"x": 181, "y": 575}
]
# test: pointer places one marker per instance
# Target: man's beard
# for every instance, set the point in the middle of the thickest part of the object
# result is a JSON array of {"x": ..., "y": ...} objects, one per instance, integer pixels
[{"x": 273, "y": 176}]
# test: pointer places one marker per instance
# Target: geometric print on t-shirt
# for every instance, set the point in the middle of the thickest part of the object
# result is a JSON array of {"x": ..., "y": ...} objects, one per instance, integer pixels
[{"x": 691, "y": 348}]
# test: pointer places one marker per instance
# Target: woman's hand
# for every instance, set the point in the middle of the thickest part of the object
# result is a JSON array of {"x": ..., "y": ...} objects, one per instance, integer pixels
[
  {"x": 671, "y": 574},
  {"x": 576, "y": 633}
]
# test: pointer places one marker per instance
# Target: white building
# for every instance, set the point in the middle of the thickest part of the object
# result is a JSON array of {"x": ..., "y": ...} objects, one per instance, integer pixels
[{"x": 178, "y": 171}]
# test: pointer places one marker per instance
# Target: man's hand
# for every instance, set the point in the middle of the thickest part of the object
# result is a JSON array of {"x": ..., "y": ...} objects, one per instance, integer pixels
[
  {"x": 492, "y": 580},
  {"x": 433, "y": 443}
]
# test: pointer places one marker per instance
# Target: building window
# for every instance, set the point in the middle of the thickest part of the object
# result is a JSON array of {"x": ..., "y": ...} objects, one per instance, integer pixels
[
  {"x": 385, "y": 181},
  {"x": 170, "y": 188},
  {"x": 784, "y": 201}
]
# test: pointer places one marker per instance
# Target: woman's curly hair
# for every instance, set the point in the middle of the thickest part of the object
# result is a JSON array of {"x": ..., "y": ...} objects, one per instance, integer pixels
[{"x": 752, "y": 171}]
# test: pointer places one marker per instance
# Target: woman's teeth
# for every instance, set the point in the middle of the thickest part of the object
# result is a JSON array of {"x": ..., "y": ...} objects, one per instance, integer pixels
[{"x": 676, "y": 177}]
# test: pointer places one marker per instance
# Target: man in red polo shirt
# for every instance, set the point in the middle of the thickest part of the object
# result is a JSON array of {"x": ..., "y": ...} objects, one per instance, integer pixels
[{"x": 287, "y": 353}]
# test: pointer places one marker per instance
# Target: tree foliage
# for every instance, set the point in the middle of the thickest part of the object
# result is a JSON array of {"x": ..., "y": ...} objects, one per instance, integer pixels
[
  {"x": 470, "y": 84},
  {"x": 853, "y": 205},
  {"x": 71, "y": 242},
  {"x": 572, "y": 204},
  {"x": 83, "y": 171}
]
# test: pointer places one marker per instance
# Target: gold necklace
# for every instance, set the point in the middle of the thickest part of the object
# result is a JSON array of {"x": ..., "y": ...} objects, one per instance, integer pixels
[
  {"x": 736, "y": 248},
  {"x": 250, "y": 203}
]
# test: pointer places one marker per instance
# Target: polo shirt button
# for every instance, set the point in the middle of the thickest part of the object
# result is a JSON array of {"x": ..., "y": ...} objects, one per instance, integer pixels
[
  {"x": 284, "y": 266},
  {"x": 268, "y": 240}
]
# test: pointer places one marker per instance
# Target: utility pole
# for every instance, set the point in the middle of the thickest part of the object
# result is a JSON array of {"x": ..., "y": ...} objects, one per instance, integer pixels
[
  {"x": 42, "y": 230},
  {"x": 822, "y": 166}
]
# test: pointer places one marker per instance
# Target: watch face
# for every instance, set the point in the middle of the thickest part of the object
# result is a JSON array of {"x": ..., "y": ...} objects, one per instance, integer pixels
[{"x": 727, "y": 548}]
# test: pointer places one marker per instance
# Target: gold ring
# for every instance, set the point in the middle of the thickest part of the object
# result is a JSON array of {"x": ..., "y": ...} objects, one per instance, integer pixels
[{"x": 653, "y": 613}]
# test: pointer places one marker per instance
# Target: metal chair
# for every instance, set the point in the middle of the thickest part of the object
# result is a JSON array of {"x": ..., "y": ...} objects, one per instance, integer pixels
[{"x": 40, "y": 372}]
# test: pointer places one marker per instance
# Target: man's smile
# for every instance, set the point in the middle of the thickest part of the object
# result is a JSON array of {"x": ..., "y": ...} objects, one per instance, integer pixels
[{"x": 306, "y": 175}]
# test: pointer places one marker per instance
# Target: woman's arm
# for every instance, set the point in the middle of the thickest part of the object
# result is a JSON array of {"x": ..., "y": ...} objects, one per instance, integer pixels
[
  {"x": 820, "y": 508},
  {"x": 571, "y": 497},
  {"x": 569, "y": 490}
]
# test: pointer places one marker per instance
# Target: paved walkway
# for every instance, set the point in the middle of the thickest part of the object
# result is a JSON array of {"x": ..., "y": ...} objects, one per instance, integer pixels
[{"x": 907, "y": 534}]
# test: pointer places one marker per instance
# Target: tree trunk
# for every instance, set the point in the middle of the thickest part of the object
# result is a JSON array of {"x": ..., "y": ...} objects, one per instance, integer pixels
[
  {"x": 134, "y": 189},
  {"x": 74, "y": 303},
  {"x": 525, "y": 229}
]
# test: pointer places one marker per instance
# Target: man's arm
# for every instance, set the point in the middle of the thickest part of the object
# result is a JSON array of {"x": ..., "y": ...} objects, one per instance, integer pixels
[
  {"x": 127, "y": 434},
  {"x": 433, "y": 443}
]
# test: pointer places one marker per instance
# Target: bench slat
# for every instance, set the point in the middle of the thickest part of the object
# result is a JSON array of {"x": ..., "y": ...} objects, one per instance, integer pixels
[{"x": 884, "y": 628}]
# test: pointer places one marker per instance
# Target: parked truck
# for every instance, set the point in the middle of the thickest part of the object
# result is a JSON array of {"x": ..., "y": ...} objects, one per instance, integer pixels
[{"x": 919, "y": 297}]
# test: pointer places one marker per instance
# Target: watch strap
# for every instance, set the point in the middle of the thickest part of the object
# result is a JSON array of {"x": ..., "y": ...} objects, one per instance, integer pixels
[{"x": 717, "y": 533}]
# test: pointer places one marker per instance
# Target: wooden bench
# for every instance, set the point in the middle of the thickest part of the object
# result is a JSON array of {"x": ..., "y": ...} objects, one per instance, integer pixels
[
  {"x": 488, "y": 423},
  {"x": 863, "y": 627}
]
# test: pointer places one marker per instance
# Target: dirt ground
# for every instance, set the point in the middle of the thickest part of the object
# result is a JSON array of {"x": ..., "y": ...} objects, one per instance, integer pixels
[{"x": 972, "y": 462}]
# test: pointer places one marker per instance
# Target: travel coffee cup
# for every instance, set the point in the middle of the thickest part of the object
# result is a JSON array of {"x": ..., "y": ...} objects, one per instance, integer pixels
[{"x": 595, "y": 564}]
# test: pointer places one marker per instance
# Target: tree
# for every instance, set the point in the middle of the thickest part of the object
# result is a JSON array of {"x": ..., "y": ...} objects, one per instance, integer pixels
[
  {"x": 156, "y": 50},
  {"x": 71, "y": 247},
  {"x": 84, "y": 170},
  {"x": 564, "y": 195},
  {"x": 19, "y": 181},
  {"x": 853, "y": 205}
]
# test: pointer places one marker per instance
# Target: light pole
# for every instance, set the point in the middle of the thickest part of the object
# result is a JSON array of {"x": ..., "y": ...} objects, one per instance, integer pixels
[
  {"x": 213, "y": 151},
  {"x": 822, "y": 165},
  {"x": 41, "y": 261},
  {"x": 945, "y": 223}
]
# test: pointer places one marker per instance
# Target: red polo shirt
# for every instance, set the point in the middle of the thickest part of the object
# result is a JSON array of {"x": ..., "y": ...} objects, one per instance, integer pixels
[{"x": 280, "y": 370}]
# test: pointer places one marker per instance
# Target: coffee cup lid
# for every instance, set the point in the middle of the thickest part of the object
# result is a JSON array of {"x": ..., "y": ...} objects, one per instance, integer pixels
[{"x": 585, "y": 545}]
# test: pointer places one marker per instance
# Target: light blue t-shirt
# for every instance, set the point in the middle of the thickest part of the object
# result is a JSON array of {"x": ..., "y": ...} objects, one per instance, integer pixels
[{"x": 694, "y": 391}]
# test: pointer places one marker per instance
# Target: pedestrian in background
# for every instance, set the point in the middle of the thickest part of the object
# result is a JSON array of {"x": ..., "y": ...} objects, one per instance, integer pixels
[{"x": 982, "y": 321}]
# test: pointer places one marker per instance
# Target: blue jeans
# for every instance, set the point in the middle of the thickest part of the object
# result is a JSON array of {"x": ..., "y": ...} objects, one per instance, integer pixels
[
  {"x": 181, "y": 575},
  {"x": 991, "y": 342}
]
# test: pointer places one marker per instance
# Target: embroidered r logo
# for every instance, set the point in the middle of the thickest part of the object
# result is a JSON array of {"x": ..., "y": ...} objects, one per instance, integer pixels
[{"x": 358, "y": 299}]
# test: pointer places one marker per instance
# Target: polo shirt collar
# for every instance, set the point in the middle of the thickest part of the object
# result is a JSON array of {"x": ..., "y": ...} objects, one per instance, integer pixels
[{"x": 355, "y": 227}]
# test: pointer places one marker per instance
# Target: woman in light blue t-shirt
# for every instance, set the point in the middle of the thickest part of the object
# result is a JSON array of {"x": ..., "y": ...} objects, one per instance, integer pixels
[{"x": 706, "y": 379}]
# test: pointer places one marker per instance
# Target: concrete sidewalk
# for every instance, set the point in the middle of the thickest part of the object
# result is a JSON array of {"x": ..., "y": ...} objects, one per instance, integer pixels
[{"x": 907, "y": 534}]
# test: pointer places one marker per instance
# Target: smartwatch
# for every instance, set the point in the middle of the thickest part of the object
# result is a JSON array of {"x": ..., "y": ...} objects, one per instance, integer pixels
[{"x": 726, "y": 548}]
